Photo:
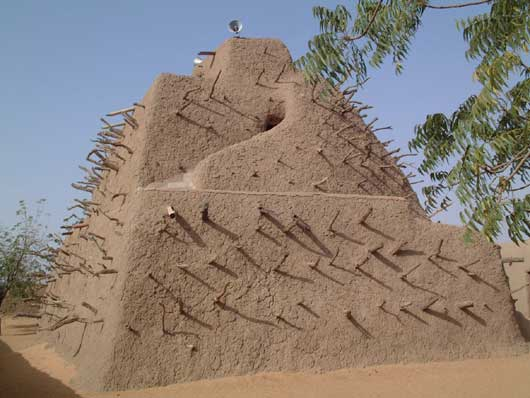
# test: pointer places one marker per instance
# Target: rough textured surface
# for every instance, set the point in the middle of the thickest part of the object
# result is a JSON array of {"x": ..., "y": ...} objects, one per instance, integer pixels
[
  {"x": 297, "y": 242},
  {"x": 29, "y": 369},
  {"x": 519, "y": 280}
]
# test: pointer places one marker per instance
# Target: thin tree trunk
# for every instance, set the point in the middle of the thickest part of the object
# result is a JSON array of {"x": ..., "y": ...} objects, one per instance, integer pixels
[{"x": 3, "y": 294}]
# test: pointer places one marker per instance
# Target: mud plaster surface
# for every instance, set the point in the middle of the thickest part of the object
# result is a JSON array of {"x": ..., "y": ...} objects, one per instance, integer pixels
[
  {"x": 30, "y": 369},
  {"x": 240, "y": 291},
  {"x": 519, "y": 279}
]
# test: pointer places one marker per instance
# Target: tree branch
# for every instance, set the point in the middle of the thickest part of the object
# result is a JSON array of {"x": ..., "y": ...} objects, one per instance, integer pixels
[
  {"x": 473, "y": 3},
  {"x": 519, "y": 189},
  {"x": 370, "y": 23}
]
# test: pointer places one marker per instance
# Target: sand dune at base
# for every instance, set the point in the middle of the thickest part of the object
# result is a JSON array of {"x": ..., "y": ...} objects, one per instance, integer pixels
[
  {"x": 472, "y": 378},
  {"x": 39, "y": 372}
]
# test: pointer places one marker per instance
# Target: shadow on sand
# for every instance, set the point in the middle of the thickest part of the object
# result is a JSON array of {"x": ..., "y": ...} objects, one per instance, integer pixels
[
  {"x": 18, "y": 379},
  {"x": 524, "y": 325}
]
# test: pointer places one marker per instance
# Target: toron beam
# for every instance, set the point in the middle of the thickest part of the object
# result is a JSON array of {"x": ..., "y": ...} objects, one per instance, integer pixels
[
  {"x": 171, "y": 212},
  {"x": 509, "y": 260},
  {"x": 121, "y": 111},
  {"x": 113, "y": 126}
]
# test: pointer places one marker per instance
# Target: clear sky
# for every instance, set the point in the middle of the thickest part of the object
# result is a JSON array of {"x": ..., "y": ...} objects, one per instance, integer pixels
[{"x": 64, "y": 64}]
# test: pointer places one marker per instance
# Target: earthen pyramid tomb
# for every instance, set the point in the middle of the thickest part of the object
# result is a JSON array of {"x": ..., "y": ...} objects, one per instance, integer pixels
[{"x": 239, "y": 223}]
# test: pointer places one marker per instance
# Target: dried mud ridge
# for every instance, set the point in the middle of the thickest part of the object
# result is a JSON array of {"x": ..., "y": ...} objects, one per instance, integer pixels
[{"x": 239, "y": 223}]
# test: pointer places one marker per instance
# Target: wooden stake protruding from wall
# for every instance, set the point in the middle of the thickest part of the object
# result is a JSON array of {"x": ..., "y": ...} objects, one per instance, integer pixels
[
  {"x": 204, "y": 212},
  {"x": 171, "y": 212},
  {"x": 365, "y": 215},
  {"x": 404, "y": 275},
  {"x": 465, "y": 305}
]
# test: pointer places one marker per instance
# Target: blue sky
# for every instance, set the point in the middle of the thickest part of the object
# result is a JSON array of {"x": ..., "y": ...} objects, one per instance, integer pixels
[{"x": 64, "y": 64}]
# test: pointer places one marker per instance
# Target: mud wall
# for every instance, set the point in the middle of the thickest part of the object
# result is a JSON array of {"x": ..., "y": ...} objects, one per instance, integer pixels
[
  {"x": 254, "y": 288},
  {"x": 518, "y": 273},
  {"x": 297, "y": 242}
]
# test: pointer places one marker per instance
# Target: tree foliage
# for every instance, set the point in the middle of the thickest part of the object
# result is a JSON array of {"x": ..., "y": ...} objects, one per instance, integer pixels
[
  {"x": 26, "y": 252},
  {"x": 480, "y": 153}
]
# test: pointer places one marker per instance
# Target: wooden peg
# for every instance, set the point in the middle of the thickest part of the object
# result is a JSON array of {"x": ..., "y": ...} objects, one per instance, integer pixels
[
  {"x": 369, "y": 125},
  {"x": 171, "y": 212},
  {"x": 382, "y": 129},
  {"x": 467, "y": 271},
  {"x": 390, "y": 153},
  {"x": 277, "y": 266},
  {"x": 88, "y": 306},
  {"x": 180, "y": 305},
  {"x": 319, "y": 183},
  {"x": 131, "y": 329},
  {"x": 398, "y": 247},
  {"x": 80, "y": 226},
  {"x": 465, "y": 305},
  {"x": 375, "y": 247},
  {"x": 362, "y": 219},
  {"x": 404, "y": 275},
  {"x": 301, "y": 223},
  {"x": 131, "y": 121},
  {"x": 348, "y": 315},
  {"x": 314, "y": 265},
  {"x": 219, "y": 299},
  {"x": 66, "y": 253},
  {"x": 105, "y": 272},
  {"x": 437, "y": 252},
  {"x": 111, "y": 127},
  {"x": 280, "y": 318},
  {"x": 263, "y": 211},
  {"x": 345, "y": 159},
  {"x": 362, "y": 261},
  {"x": 96, "y": 235},
  {"x": 428, "y": 306},
  {"x": 280, "y": 161},
  {"x": 204, "y": 212},
  {"x": 121, "y": 111},
  {"x": 214, "y": 84},
  {"x": 330, "y": 226},
  {"x": 405, "y": 155},
  {"x": 510, "y": 260},
  {"x": 332, "y": 262}
]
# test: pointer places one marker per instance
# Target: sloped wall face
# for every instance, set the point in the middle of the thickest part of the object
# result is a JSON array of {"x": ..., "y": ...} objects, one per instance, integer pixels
[
  {"x": 83, "y": 310},
  {"x": 518, "y": 273},
  {"x": 250, "y": 123},
  {"x": 265, "y": 282}
]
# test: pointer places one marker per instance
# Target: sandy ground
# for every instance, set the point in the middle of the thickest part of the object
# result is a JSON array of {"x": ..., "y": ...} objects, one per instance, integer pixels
[{"x": 30, "y": 370}]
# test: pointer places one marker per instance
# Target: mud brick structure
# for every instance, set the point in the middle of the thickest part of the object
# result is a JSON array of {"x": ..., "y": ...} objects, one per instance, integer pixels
[{"x": 241, "y": 222}]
